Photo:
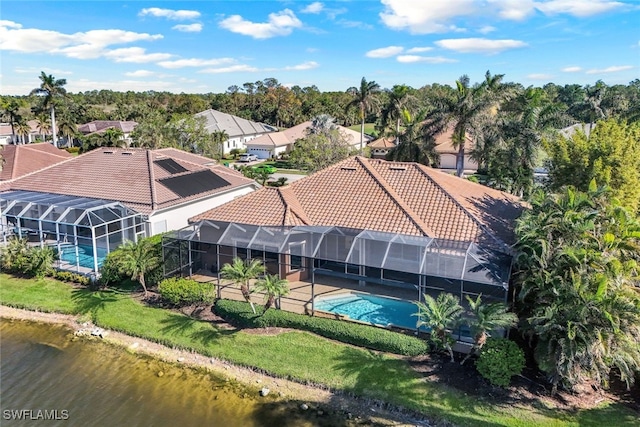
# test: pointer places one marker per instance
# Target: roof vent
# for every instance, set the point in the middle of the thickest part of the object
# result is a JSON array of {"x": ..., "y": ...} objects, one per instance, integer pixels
[
  {"x": 398, "y": 168},
  {"x": 345, "y": 168},
  {"x": 108, "y": 152},
  {"x": 127, "y": 153}
]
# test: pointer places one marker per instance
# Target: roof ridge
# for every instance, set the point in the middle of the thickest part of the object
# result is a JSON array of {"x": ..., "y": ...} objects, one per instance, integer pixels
[
  {"x": 413, "y": 216},
  {"x": 42, "y": 169},
  {"x": 286, "y": 200},
  {"x": 479, "y": 223},
  {"x": 31, "y": 147},
  {"x": 152, "y": 182},
  {"x": 14, "y": 162}
]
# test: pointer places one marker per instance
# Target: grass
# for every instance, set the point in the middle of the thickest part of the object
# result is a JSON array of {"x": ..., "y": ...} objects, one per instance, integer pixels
[
  {"x": 297, "y": 355},
  {"x": 369, "y": 128}
]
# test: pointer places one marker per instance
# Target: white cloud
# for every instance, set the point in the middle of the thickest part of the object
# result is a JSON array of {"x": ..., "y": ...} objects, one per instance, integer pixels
[
  {"x": 419, "y": 49},
  {"x": 231, "y": 69},
  {"x": 9, "y": 24},
  {"x": 82, "y": 85},
  {"x": 408, "y": 59},
  {"x": 579, "y": 8},
  {"x": 139, "y": 73},
  {"x": 571, "y": 69},
  {"x": 279, "y": 24},
  {"x": 354, "y": 24},
  {"x": 384, "y": 52},
  {"x": 612, "y": 69},
  {"x": 34, "y": 70},
  {"x": 514, "y": 10},
  {"x": 540, "y": 76},
  {"x": 195, "y": 62},
  {"x": 188, "y": 28},
  {"x": 486, "y": 29},
  {"x": 176, "y": 15},
  {"x": 136, "y": 55},
  {"x": 309, "y": 65},
  {"x": 478, "y": 45},
  {"x": 315, "y": 7},
  {"x": 433, "y": 16}
]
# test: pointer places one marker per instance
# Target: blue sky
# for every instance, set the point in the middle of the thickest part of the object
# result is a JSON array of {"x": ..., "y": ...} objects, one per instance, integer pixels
[{"x": 207, "y": 46}]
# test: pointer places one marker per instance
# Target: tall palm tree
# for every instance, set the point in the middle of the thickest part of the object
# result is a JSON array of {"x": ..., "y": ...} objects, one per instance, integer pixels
[
  {"x": 413, "y": 145},
  {"x": 68, "y": 128},
  {"x": 23, "y": 130},
  {"x": 137, "y": 259},
  {"x": 43, "y": 124},
  {"x": 273, "y": 287},
  {"x": 463, "y": 110},
  {"x": 400, "y": 99},
  {"x": 51, "y": 89},
  {"x": 365, "y": 100},
  {"x": 440, "y": 316},
  {"x": 486, "y": 318},
  {"x": 242, "y": 273}
]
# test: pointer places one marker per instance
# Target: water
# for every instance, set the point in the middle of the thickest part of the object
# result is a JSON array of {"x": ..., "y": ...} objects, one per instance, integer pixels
[
  {"x": 43, "y": 367},
  {"x": 371, "y": 309},
  {"x": 85, "y": 256}
]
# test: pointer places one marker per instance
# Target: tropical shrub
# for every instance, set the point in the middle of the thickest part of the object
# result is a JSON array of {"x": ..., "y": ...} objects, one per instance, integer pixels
[
  {"x": 440, "y": 315},
  {"x": 179, "y": 291},
  {"x": 500, "y": 359},
  {"x": 241, "y": 315},
  {"x": 69, "y": 276},
  {"x": 39, "y": 261}
]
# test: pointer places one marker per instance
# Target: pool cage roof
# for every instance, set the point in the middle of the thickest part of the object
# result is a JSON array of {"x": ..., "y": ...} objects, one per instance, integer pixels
[
  {"x": 63, "y": 209},
  {"x": 392, "y": 251}
]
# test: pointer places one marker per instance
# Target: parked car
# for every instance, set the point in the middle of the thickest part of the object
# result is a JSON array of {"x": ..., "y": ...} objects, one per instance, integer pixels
[
  {"x": 267, "y": 168},
  {"x": 247, "y": 158}
]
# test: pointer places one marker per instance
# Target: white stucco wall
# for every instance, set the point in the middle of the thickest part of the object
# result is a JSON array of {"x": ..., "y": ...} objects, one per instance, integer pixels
[
  {"x": 448, "y": 161},
  {"x": 178, "y": 216}
]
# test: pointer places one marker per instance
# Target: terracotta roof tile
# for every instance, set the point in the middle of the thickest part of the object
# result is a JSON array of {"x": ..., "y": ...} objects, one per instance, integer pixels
[
  {"x": 397, "y": 197},
  {"x": 130, "y": 175},
  {"x": 21, "y": 160}
]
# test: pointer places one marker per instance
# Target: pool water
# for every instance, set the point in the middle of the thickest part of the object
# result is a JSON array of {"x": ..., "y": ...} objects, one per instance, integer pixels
[
  {"x": 371, "y": 309},
  {"x": 85, "y": 255}
]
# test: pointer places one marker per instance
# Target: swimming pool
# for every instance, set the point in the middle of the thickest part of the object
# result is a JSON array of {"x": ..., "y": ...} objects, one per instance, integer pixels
[
  {"x": 371, "y": 309},
  {"x": 85, "y": 256}
]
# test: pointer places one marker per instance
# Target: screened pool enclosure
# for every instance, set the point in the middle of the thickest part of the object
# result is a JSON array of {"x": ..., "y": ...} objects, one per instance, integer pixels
[
  {"x": 304, "y": 253},
  {"x": 81, "y": 230}
]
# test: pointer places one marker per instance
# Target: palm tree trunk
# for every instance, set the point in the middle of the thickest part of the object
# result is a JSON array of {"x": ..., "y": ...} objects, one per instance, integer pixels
[
  {"x": 247, "y": 296},
  {"x": 480, "y": 340},
  {"x": 460, "y": 159},
  {"x": 143, "y": 283},
  {"x": 362, "y": 133},
  {"x": 54, "y": 132}
]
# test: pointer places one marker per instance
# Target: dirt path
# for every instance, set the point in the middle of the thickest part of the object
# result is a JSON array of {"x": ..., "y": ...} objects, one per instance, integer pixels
[{"x": 360, "y": 411}]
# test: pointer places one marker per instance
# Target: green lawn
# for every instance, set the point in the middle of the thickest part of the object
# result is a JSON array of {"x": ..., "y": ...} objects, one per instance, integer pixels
[
  {"x": 369, "y": 128},
  {"x": 297, "y": 355}
]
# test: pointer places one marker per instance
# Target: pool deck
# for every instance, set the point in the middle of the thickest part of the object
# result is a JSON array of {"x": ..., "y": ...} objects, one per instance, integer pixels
[{"x": 299, "y": 298}]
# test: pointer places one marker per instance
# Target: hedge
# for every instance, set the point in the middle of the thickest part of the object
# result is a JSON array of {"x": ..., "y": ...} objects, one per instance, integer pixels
[
  {"x": 240, "y": 314},
  {"x": 500, "y": 359},
  {"x": 180, "y": 291}
]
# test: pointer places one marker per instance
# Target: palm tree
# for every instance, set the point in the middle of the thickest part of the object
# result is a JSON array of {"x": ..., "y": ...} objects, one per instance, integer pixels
[
  {"x": 400, "y": 99},
  {"x": 440, "y": 316},
  {"x": 43, "y": 124},
  {"x": 50, "y": 89},
  {"x": 242, "y": 272},
  {"x": 23, "y": 129},
  {"x": 413, "y": 144},
  {"x": 137, "y": 259},
  {"x": 14, "y": 255},
  {"x": 113, "y": 137},
  {"x": 366, "y": 102},
  {"x": 273, "y": 287},
  {"x": 463, "y": 110},
  {"x": 322, "y": 123},
  {"x": 486, "y": 318},
  {"x": 11, "y": 111},
  {"x": 68, "y": 128}
]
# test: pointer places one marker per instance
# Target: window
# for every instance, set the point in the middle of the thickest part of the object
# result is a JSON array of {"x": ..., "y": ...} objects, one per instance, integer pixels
[{"x": 295, "y": 262}]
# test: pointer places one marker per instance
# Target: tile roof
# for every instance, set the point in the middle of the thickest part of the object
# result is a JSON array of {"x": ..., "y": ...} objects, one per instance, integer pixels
[
  {"x": 291, "y": 135},
  {"x": 443, "y": 143},
  {"x": 396, "y": 197},
  {"x": 129, "y": 175},
  {"x": 234, "y": 126},
  {"x": 100, "y": 126},
  {"x": 385, "y": 142},
  {"x": 20, "y": 160}
]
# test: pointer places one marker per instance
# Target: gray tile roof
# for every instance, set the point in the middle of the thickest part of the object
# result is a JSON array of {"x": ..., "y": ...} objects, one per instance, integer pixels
[{"x": 234, "y": 126}]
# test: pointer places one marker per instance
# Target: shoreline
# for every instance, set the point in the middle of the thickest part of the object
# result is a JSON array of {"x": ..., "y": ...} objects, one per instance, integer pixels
[{"x": 315, "y": 397}]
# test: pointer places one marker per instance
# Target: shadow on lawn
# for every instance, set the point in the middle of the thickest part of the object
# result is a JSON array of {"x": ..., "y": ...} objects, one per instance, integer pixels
[
  {"x": 198, "y": 330},
  {"x": 89, "y": 302}
]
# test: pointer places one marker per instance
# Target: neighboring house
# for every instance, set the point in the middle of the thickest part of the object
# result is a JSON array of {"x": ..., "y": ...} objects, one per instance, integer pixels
[
  {"x": 239, "y": 130},
  {"x": 8, "y": 137},
  {"x": 448, "y": 154},
  {"x": 21, "y": 160},
  {"x": 365, "y": 224},
  {"x": 98, "y": 127},
  {"x": 276, "y": 144},
  {"x": 88, "y": 205},
  {"x": 381, "y": 147}
]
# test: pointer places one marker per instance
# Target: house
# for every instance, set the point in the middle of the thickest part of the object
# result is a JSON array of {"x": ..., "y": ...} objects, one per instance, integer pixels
[
  {"x": 449, "y": 154},
  {"x": 88, "y": 205},
  {"x": 381, "y": 147},
  {"x": 21, "y": 160},
  {"x": 239, "y": 130},
  {"x": 99, "y": 127},
  {"x": 11, "y": 136},
  {"x": 276, "y": 144},
  {"x": 362, "y": 224}
]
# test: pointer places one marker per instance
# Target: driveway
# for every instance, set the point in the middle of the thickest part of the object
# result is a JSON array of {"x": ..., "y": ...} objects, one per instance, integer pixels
[{"x": 291, "y": 177}]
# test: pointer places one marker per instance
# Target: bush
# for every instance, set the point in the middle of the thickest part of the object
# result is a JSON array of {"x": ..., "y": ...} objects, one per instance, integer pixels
[
  {"x": 240, "y": 314},
  {"x": 500, "y": 359},
  {"x": 69, "y": 276},
  {"x": 180, "y": 291},
  {"x": 73, "y": 150}
]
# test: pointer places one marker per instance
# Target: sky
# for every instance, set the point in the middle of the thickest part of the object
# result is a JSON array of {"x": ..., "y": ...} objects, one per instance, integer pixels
[{"x": 208, "y": 46}]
